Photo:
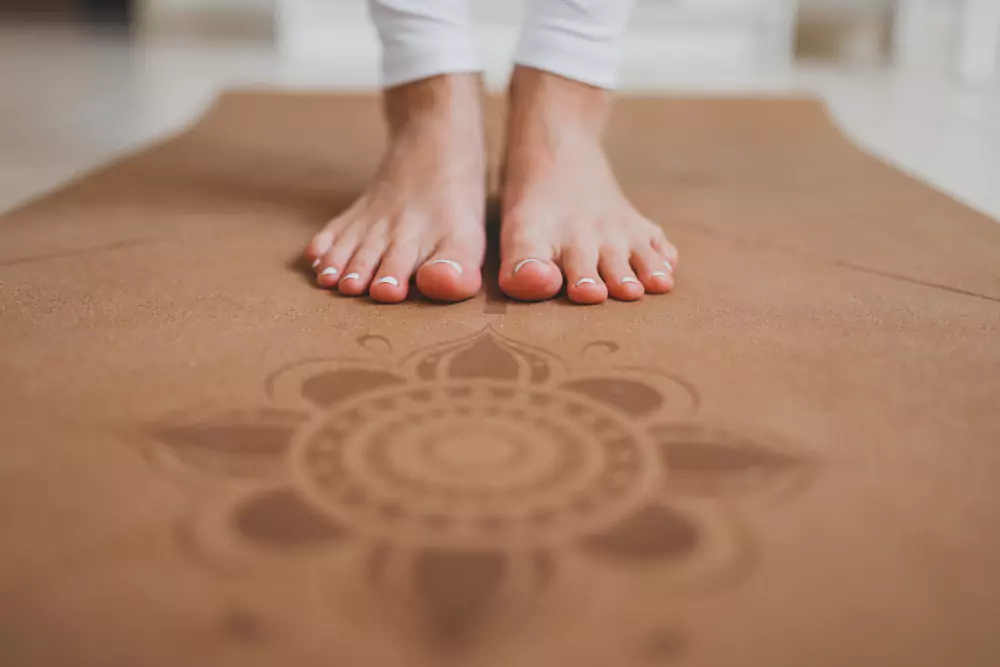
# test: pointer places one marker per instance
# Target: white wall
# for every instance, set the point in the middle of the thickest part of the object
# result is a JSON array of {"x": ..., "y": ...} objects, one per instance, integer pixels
[{"x": 252, "y": 17}]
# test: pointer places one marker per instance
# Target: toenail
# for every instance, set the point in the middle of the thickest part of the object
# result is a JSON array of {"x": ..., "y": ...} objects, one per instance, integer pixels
[
  {"x": 328, "y": 271},
  {"x": 670, "y": 268},
  {"x": 352, "y": 276},
  {"x": 453, "y": 264},
  {"x": 388, "y": 280},
  {"x": 525, "y": 261},
  {"x": 586, "y": 281},
  {"x": 628, "y": 279},
  {"x": 316, "y": 263},
  {"x": 659, "y": 274}
]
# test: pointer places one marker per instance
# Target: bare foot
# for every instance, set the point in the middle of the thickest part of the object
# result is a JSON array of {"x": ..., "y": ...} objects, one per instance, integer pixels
[
  {"x": 424, "y": 211},
  {"x": 564, "y": 214}
]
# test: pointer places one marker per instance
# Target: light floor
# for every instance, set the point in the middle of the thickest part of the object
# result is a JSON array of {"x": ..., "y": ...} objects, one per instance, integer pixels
[{"x": 70, "y": 100}]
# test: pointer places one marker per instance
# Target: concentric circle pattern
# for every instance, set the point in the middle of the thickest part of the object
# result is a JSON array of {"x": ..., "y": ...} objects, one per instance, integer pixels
[{"x": 475, "y": 464}]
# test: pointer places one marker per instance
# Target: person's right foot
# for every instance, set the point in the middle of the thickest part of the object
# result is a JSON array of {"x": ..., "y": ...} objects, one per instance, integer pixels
[{"x": 424, "y": 211}]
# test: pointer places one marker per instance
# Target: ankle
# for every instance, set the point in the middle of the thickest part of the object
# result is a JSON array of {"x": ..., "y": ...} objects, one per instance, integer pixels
[
  {"x": 541, "y": 100},
  {"x": 551, "y": 120},
  {"x": 453, "y": 100}
]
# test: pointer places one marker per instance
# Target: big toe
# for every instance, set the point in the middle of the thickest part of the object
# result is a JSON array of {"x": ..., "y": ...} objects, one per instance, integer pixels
[
  {"x": 527, "y": 272},
  {"x": 530, "y": 279},
  {"x": 451, "y": 274}
]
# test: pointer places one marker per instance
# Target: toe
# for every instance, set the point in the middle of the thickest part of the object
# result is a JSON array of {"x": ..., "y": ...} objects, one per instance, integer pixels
[
  {"x": 332, "y": 234},
  {"x": 452, "y": 273},
  {"x": 392, "y": 281},
  {"x": 357, "y": 276},
  {"x": 666, "y": 249},
  {"x": 654, "y": 271},
  {"x": 583, "y": 283},
  {"x": 320, "y": 244},
  {"x": 527, "y": 271},
  {"x": 330, "y": 267},
  {"x": 618, "y": 276},
  {"x": 530, "y": 279}
]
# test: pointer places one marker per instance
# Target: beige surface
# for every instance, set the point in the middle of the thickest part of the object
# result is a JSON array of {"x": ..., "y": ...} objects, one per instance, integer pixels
[{"x": 791, "y": 461}]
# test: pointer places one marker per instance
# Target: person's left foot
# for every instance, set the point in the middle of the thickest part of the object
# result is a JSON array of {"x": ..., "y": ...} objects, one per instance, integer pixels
[
  {"x": 423, "y": 213},
  {"x": 564, "y": 215}
]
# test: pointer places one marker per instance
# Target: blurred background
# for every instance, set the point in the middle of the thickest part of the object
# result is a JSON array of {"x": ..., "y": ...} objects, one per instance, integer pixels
[{"x": 914, "y": 81}]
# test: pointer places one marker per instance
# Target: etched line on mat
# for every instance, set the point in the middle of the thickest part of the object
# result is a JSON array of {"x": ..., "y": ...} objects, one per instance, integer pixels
[
  {"x": 915, "y": 281},
  {"x": 759, "y": 244},
  {"x": 375, "y": 343},
  {"x": 608, "y": 347},
  {"x": 496, "y": 300},
  {"x": 115, "y": 245}
]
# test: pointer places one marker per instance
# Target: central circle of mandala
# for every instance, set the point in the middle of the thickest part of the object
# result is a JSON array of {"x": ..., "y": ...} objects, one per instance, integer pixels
[
  {"x": 475, "y": 463},
  {"x": 470, "y": 451}
]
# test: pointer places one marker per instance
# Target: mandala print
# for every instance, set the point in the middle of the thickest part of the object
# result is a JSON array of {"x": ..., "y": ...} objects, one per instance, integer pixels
[{"x": 478, "y": 478}]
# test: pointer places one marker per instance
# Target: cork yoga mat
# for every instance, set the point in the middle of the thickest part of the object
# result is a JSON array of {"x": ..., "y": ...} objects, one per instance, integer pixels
[{"x": 792, "y": 460}]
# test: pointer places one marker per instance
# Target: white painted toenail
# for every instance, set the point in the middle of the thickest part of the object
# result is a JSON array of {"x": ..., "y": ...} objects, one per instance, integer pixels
[
  {"x": 628, "y": 279},
  {"x": 453, "y": 264},
  {"x": 586, "y": 281},
  {"x": 388, "y": 280},
  {"x": 352, "y": 276},
  {"x": 328, "y": 271},
  {"x": 525, "y": 261},
  {"x": 316, "y": 263},
  {"x": 659, "y": 274},
  {"x": 669, "y": 267}
]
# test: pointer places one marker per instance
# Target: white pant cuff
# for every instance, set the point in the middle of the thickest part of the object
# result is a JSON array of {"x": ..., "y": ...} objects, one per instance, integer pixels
[
  {"x": 406, "y": 66},
  {"x": 591, "y": 62}
]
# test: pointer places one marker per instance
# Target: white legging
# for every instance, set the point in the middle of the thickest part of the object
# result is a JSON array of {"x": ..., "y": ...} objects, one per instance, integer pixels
[{"x": 577, "y": 39}]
